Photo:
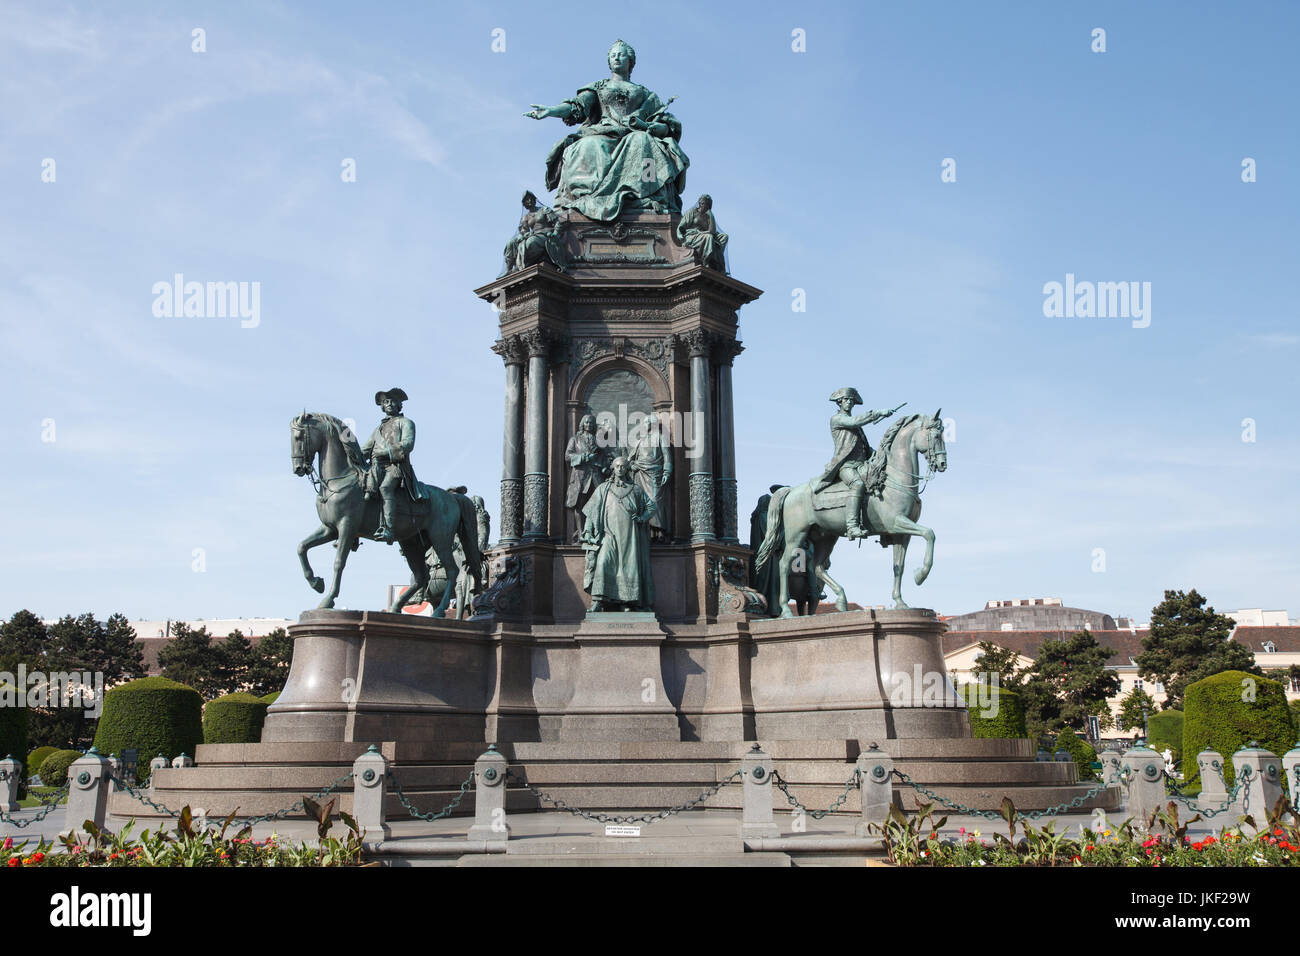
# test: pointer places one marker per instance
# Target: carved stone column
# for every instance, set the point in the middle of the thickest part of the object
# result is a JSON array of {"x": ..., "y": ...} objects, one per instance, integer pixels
[
  {"x": 535, "y": 477},
  {"x": 511, "y": 351},
  {"x": 726, "y": 522},
  {"x": 700, "y": 467}
]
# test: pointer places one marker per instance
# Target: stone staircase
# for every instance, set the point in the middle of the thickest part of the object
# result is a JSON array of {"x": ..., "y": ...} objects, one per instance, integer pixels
[{"x": 263, "y": 778}]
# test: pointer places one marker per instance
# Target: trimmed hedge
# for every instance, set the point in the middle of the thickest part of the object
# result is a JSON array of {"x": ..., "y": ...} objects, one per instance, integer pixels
[
  {"x": 1215, "y": 716},
  {"x": 1166, "y": 730},
  {"x": 272, "y": 697},
  {"x": 36, "y": 758},
  {"x": 153, "y": 715},
  {"x": 1008, "y": 718},
  {"x": 1081, "y": 752},
  {"x": 234, "y": 719},
  {"x": 56, "y": 765}
]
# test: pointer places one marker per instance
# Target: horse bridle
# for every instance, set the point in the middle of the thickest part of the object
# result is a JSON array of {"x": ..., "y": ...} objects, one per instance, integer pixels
[
  {"x": 320, "y": 483},
  {"x": 919, "y": 482}
]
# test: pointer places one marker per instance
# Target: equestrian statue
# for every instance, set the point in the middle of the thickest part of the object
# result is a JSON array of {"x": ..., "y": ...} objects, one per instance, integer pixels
[
  {"x": 860, "y": 493},
  {"x": 370, "y": 491}
]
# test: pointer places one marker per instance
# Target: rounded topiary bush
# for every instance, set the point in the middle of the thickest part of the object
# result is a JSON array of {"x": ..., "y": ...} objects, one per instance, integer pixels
[
  {"x": 234, "y": 719},
  {"x": 272, "y": 697},
  {"x": 36, "y": 758},
  {"x": 55, "y": 767},
  {"x": 994, "y": 712},
  {"x": 153, "y": 715},
  {"x": 1229, "y": 710},
  {"x": 1081, "y": 752},
  {"x": 1166, "y": 730}
]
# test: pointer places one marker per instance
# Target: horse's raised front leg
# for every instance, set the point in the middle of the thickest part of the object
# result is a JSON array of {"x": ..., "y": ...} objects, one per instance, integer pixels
[
  {"x": 908, "y": 526},
  {"x": 321, "y": 535},
  {"x": 347, "y": 538}
]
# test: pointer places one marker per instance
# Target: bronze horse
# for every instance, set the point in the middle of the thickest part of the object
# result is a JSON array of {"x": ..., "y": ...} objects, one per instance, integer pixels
[
  {"x": 797, "y": 524},
  {"x": 346, "y": 514}
]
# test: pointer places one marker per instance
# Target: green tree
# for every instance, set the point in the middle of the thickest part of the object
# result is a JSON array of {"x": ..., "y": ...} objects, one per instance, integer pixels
[
  {"x": 22, "y": 641},
  {"x": 191, "y": 658},
  {"x": 995, "y": 659},
  {"x": 269, "y": 668},
  {"x": 235, "y": 656},
  {"x": 1066, "y": 682},
  {"x": 1187, "y": 642},
  {"x": 1131, "y": 708}
]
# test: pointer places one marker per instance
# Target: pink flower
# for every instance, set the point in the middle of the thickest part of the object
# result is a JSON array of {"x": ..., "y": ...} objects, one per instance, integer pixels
[{"x": 8, "y": 844}]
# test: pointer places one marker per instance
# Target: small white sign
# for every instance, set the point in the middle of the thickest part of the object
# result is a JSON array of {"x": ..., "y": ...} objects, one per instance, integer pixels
[{"x": 621, "y": 831}]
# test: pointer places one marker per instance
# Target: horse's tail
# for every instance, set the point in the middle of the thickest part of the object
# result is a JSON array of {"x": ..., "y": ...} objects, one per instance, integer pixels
[
  {"x": 473, "y": 532},
  {"x": 775, "y": 528}
]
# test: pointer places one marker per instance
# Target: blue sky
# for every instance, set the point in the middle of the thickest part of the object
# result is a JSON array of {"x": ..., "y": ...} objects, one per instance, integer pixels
[{"x": 171, "y": 434}]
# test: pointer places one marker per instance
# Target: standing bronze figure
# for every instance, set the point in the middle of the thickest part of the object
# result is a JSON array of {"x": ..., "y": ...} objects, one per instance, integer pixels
[
  {"x": 617, "y": 539},
  {"x": 588, "y": 463}
]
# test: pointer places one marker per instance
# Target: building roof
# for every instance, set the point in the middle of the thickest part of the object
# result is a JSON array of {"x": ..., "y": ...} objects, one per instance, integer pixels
[
  {"x": 1125, "y": 644},
  {"x": 1286, "y": 640}
]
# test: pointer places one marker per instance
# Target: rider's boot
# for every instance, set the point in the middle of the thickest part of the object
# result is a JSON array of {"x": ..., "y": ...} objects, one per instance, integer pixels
[
  {"x": 385, "y": 532},
  {"x": 852, "y": 522}
]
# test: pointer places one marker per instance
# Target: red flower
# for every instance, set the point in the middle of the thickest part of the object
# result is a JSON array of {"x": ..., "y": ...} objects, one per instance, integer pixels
[
  {"x": 37, "y": 857},
  {"x": 14, "y": 861}
]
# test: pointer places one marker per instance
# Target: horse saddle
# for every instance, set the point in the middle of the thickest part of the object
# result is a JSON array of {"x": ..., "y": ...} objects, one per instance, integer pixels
[{"x": 832, "y": 497}]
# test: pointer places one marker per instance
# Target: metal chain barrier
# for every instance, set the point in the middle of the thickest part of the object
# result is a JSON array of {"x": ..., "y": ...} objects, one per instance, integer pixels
[
  {"x": 45, "y": 811},
  {"x": 854, "y": 782},
  {"x": 300, "y": 806},
  {"x": 430, "y": 817},
  {"x": 1075, "y": 804},
  {"x": 1243, "y": 780},
  {"x": 1295, "y": 790},
  {"x": 621, "y": 820}
]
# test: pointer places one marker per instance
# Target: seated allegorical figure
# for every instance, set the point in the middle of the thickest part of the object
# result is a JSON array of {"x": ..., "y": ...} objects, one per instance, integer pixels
[
  {"x": 698, "y": 231},
  {"x": 625, "y": 154},
  {"x": 537, "y": 239}
]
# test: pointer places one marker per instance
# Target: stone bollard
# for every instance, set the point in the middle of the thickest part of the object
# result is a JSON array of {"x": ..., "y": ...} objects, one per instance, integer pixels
[
  {"x": 1263, "y": 787},
  {"x": 490, "y": 798},
  {"x": 1146, "y": 783},
  {"x": 157, "y": 763},
  {"x": 11, "y": 769},
  {"x": 1291, "y": 769},
  {"x": 88, "y": 785},
  {"x": 756, "y": 819},
  {"x": 1209, "y": 764},
  {"x": 369, "y": 790},
  {"x": 876, "y": 784},
  {"x": 1110, "y": 773},
  {"x": 184, "y": 760}
]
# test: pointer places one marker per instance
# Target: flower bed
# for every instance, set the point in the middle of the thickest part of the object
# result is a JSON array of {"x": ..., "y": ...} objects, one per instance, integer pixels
[
  {"x": 915, "y": 841},
  {"x": 188, "y": 846}
]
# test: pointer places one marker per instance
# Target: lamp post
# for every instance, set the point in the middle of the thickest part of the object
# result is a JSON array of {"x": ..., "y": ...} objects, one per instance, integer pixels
[{"x": 1146, "y": 730}]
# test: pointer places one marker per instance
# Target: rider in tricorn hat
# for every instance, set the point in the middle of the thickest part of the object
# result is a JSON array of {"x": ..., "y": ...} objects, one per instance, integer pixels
[
  {"x": 852, "y": 452},
  {"x": 389, "y": 450}
]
